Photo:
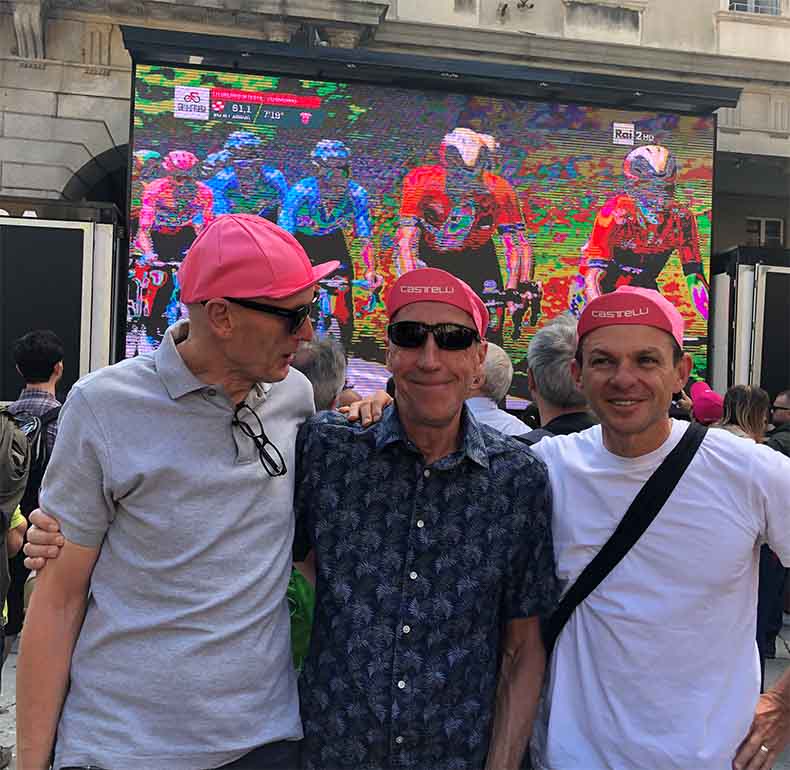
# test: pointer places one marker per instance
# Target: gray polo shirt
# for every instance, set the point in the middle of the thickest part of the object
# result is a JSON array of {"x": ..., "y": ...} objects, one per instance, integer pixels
[{"x": 184, "y": 659}]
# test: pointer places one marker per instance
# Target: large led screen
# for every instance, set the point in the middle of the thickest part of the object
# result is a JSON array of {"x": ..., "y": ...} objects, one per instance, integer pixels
[{"x": 539, "y": 206}]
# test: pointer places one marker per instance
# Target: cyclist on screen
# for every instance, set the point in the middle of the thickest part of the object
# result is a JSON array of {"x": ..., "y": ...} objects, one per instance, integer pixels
[
  {"x": 240, "y": 181},
  {"x": 317, "y": 210},
  {"x": 636, "y": 232},
  {"x": 449, "y": 216},
  {"x": 173, "y": 210}
]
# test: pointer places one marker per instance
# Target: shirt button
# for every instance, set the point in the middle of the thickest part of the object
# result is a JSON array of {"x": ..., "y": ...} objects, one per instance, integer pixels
[
  {"x": 406, "y": 629},
  {"x": 211, "y": 392},
  {"x": 426, "y": 473},
  {"x": 399, "y": 740},
  {"x": 420, "y": 524},
  {"x": 413, "y": 575},
  {"x": 401, "y": 685}
]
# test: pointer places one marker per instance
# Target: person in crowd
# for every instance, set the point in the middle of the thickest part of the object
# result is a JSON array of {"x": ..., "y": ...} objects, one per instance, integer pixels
[
  {"x": 414, "y": 524},
  {"x": 705, "y": 405},
  {"x": 746, "y": 409},
  {"x": 490, "y": 389},
  {"x": 561, "y": 405},
  {"x": 323, "y": 362},
  {"x": 627, "y": 685},
  {"x": 38, "y": 356},
  {"x": 166, "y": 468},
  {"x": 779, "y": 436},
  {"x": 745, "y": 412}
]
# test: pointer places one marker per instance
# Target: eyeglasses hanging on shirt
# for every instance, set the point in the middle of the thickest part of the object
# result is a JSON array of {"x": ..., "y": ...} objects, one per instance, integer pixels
[{"x": 269, "y": 455}]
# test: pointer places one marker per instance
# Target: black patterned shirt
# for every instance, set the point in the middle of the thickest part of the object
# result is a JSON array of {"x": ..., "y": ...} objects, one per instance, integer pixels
[
  {"x": 419, "y": 568},
  {"x": 37, "y": 403}
]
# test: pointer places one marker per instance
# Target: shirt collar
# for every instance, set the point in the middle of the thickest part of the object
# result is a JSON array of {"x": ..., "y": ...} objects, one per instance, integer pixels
[
  {"x": 480, "y": 404},
  {"x": 174, "y": 373},
  {"x": 177, "y": 377},
  {"x": 30, "y": 392},
  {"x": 390, "y": 430}
]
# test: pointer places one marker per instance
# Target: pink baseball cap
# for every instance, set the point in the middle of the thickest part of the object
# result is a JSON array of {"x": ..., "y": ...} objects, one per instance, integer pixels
[
  {"x": 241, "y": 255},
  {"x": 429, "y": 284},
  {"x": 707, "y": 406},
  {"x": 635, "y": 307}
]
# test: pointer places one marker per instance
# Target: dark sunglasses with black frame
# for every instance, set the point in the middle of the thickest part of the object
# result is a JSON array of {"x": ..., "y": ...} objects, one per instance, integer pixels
[
  {"x": 448, "y": 336},
  {"x": 295, "y": 316},
  {"x": 269, "y": 455}
]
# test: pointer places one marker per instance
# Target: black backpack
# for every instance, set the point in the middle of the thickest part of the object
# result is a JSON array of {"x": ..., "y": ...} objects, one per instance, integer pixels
[{"x": 35, "y": 428}]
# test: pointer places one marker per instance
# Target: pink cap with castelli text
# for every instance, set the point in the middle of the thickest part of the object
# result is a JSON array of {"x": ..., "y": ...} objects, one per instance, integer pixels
[
  {"x": 241, "y": 255},
  {"x": 429, "y": 284},
  {"x": 630, "y": 306}
]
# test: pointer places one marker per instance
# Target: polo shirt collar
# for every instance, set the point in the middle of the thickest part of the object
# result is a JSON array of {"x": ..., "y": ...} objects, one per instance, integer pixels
[
  {"x": 176, "y": 376},
  {"x": 390, "y": 431}
]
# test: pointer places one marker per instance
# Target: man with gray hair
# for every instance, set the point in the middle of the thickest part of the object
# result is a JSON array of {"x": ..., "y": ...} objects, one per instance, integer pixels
[
  {"x": 562, "y": 406},
  {"x": 488, "y": 391},
  {"x": 323, "y": 362}
]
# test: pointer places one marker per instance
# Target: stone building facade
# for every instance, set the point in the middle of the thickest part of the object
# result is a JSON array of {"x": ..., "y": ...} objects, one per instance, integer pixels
[{"x": 65, "y": 75}]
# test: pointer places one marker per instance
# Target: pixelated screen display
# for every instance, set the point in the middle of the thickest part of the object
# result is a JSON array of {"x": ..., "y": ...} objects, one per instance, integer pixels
[{"x": 538, "y": 206}]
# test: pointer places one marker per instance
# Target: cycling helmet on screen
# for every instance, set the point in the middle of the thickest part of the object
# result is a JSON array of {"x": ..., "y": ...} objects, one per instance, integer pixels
[
  {"x": 330, "y": 149},
  {"x": 471, "y": 146},
  {"x": 179, "y": 160},
  {"x": 650, "y": 162},
  {"x": 239, "y": 139}
]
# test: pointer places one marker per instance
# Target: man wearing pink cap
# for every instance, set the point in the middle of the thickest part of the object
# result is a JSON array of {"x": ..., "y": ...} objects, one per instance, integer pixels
[
  {"x": 431, "y": 539},
  {"x": 144, "y": 647},
  {"x": 707, "y": 406},
  {"x": 657, "y": 667}
]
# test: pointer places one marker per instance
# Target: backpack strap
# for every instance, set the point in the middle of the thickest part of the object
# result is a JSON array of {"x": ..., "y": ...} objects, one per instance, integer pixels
[
  {"x": 640, "y": 514},
  {"x": 50, "y": 416}
]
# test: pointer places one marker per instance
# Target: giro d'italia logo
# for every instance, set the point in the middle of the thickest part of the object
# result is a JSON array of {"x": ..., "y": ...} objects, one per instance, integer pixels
[{"x": 191, "y": 103}]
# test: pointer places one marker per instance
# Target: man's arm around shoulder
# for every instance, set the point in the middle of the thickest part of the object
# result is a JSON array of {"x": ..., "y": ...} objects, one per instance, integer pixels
[{"x": 52, "y": 625}]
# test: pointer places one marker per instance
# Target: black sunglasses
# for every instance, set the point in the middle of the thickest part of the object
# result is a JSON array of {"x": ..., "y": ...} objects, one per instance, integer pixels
[
  {"x": 269, "y": 455},
  {"x": 412, "y": 334},
  {"x": 775, "y": 408},
  {"x": 295, "y": 316}
]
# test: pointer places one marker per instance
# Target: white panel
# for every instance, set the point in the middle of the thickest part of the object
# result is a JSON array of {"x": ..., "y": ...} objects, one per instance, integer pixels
[
  {"x": 744, "y": 320},
  {"x": 720, "y": 333},
  {"x": 102, "y": 331}
]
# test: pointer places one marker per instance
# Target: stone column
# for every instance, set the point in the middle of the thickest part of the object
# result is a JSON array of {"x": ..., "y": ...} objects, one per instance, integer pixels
[{"x": 29, "y": 16}]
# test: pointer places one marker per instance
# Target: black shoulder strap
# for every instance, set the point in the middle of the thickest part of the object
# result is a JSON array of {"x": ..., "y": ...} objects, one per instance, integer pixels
[
  {"x": 533, "y": 436},
  {"x": 640, "y": 514}
]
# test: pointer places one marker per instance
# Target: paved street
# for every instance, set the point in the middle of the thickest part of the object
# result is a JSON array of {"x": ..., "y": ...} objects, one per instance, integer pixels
[{"x": 8, "y": 698}]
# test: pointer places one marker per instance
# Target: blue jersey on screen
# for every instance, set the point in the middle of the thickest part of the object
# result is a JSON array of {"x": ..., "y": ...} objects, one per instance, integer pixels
[
  {"x": 270, "y": 185},
  {"x": 305, "y": 212}
]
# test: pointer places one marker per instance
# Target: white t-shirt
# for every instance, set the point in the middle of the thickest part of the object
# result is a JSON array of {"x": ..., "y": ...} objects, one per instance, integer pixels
[{"x": 658, "y": 668}]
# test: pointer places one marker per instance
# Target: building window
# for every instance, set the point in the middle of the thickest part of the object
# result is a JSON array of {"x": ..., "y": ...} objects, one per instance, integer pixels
[
  {"x": 768, "y": 233},
  {"x": 770, "y": 7},
  {"x": 465, "y": 6}
]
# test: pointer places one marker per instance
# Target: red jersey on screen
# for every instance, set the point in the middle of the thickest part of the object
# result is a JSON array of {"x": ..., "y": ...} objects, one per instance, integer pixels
[
  {"x": 466, "y": 222},
  {"x": 167, "y": 206},
  {"x": 622, "y": 235}
]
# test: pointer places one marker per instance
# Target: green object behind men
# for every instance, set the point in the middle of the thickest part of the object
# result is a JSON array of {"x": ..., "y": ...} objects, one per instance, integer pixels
[{"x": 301, "y": 604}]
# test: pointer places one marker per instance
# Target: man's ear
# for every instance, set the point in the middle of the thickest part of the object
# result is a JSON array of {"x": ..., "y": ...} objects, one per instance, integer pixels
[
  {"x": 219, "y": 317},
  {"x": 576, "y": 373},
  {"x": 57, "y": 371},
  {"x": 683, "y": 369}
]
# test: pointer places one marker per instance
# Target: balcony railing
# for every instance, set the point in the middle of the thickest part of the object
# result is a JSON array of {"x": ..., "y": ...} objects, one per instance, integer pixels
[{"x": 769, "y": 7}]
